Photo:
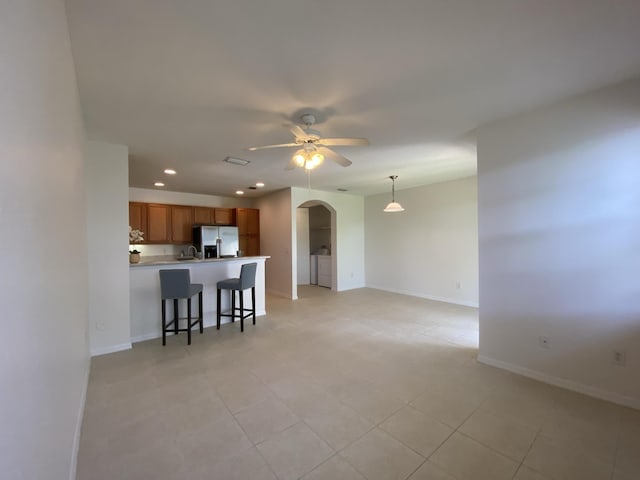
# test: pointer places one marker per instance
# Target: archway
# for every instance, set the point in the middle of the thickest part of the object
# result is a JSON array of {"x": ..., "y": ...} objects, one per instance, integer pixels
[{"x": 316, "y": 245}]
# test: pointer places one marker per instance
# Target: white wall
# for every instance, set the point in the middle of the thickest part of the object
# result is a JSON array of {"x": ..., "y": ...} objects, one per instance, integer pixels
[
  {"x": 559, "y": 213},
  {"x": 44, "y": 352},
  {"x": 276, "y": 240},
  {"x": 107, "y": 169},
  {"x": 347, "y": 249},
  {"x": 302, "y": 246},
  {"x": 431, "y": 249}
]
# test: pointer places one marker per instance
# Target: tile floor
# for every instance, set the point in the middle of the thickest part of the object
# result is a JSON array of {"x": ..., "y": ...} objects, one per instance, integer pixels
[{"x": 355, "y": 385}]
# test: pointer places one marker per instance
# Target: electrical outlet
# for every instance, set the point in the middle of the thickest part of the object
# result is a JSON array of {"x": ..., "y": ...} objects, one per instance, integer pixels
[
  {"x": 619, "y": 358},
  {"x": 544, "y": 342},
  {"x": 457, "y": 285}
]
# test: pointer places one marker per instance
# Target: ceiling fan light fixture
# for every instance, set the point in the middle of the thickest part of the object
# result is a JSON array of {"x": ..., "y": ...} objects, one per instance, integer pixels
[
  {"x": 308, "y": 158},
  {"x": 299, "y": 158},
  {"x": 393, "y": 206},
  {"x": 317, "y": 159}
]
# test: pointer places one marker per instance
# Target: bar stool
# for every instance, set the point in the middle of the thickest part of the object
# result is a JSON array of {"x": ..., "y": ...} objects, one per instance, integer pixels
[
  {"x": 176, "y": 285},
  {"x": 247, "y": 280}
]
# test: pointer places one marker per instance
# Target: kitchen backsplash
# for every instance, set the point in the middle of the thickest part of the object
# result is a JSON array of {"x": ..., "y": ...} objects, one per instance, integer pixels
[{"x": 159, "y": 250}]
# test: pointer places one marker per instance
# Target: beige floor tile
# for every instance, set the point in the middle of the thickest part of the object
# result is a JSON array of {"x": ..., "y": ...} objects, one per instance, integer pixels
[
  {"x": 519, "y": 407},
  {"x": 582, "y": 436},
  {"x": 379, "y": 456},
  {"x": 430, "y": 471},
  {"x": 245, "y": 465},
  {"x": 334, "y": 469},
  {"x": 628, "y": 459},
  {"x": 500, "y": 433},
  {"x": 195, "y": 412},
  {"x": 240, "y": 392},
  {"x": 262, "y": 420},
  {"x": 203, "y": 448},
  {"x": 163, "y": 462},
  {"x": 339, "y": 426},
  {"x": 564, "y": 463},
  {"x": 416, "y": 430},
  {"x": 467, "y": 459},
  {"x": 368, "y": 401},
  {"x": 294, "y": 452},
  {"x": 450, "y": 407},
  {"x": 525, "y": 473},
  {"x": 617, "y": 475}
]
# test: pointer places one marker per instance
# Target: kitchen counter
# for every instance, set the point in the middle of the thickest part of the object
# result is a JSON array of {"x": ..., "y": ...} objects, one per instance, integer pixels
[
  {"x": 171, "y": 260},
  {"x": 144, "y": 287}
]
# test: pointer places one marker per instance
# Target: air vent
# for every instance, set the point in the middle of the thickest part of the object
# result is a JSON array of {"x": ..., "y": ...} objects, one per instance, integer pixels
[
  {"x": 342, "y": 189},
  {"x": 237, "y": 161}
]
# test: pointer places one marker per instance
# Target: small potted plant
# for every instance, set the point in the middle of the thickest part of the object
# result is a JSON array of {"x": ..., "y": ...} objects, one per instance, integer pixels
[{"x": 135, "y": 236}]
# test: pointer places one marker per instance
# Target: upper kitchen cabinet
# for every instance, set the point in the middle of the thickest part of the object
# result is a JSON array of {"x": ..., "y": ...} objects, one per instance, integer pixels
[
  {"x": 248, "y": 221},
  {"x": 224, "y": 216},
  {"x": 181, "y": 224},
  {"x": 138, "y": 216},
  {"x": 214, "y": 216},
  {"x": 158, "y": 224},
  {"x": 203, "y": 215}
]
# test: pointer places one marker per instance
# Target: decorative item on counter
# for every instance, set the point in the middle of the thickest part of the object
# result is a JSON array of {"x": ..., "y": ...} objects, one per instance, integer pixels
[{"x": 135, "y": 235}]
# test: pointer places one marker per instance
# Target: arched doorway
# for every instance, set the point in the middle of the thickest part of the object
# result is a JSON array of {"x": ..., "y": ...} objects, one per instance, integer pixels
[{"x": 315, "y": 245}]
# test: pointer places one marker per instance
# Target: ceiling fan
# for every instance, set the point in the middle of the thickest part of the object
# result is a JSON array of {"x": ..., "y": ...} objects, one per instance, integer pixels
[{"x": 312, "y": 147}]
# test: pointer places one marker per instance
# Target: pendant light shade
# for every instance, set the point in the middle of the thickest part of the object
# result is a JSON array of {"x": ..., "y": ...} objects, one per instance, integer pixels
[{"x": 393, "y": 206}]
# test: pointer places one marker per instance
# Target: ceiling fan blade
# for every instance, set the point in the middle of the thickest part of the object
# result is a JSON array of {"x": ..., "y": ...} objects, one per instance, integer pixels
[
  {"x": 281, "y": 145},
  {"x": 298, "y": 131},
  {"x": 345, "y": 142},
  {"x": 335, "y": 156}
]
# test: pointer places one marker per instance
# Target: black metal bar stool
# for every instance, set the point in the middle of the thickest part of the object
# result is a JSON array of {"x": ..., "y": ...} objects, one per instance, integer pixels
[
  {"x": 176, "y": 285},
  {"x": 247, "y": 280}
]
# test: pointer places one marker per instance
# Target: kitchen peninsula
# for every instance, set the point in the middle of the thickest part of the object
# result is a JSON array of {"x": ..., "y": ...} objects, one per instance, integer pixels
[{"x": 145, "y": 305}]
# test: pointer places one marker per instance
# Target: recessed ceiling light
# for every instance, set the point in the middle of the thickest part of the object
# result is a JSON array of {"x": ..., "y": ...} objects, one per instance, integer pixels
[
  {"x": 239, "y": 192},
  {"x": 170, "y": 171},
  {"x": 259, "y": 184},
  {"x": 159, "y": 184}
]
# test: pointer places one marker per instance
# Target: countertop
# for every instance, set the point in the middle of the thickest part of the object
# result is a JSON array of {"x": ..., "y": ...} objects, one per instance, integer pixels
[{"x": 171, "y": 260}]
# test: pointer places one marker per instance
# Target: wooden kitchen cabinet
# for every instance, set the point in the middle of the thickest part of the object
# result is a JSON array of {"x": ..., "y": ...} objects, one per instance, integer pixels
[
  {"x": 158, "y": 224},
  {"x": 138, "y": 216},
  {"x": 181, "y": 224},
  {"x": 203, "y": 215},
  {"x": 214, "y": 216},
  {"x": 224, "y": 216},
  {"x": 248, "y": 221}
]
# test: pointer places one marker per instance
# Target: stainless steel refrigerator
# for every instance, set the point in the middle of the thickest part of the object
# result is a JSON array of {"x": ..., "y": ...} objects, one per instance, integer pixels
[{"x": 209, "y": 239}]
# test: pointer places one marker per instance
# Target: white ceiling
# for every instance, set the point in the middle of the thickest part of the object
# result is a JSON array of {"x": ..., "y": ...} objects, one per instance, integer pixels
[{"x": 185, "y": 83}]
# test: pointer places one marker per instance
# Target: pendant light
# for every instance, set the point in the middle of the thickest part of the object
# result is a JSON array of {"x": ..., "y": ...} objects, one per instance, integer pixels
[{"x": 393, "y": 206}]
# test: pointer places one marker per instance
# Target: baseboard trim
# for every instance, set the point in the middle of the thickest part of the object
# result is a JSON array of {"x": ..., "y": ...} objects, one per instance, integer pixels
[
  {"x": 78, "y": 430},
  {"x": 563, "y": 382},
  {"x": 463, "y": 303},
  {"x": 110, "y": 349},
  {"x": 207, "y": 324}
]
